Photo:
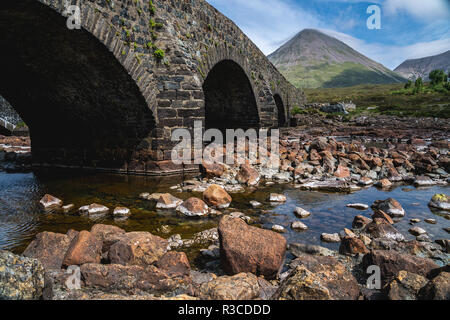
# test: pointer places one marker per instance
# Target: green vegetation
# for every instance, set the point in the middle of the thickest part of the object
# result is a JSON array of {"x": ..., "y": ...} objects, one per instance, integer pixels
[
  {"x": 389, "y": 99},
  {"x": 159, "y": 54}
]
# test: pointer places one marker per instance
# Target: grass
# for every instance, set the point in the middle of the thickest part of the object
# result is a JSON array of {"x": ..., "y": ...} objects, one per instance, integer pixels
[{"x": 387, "y": 99}]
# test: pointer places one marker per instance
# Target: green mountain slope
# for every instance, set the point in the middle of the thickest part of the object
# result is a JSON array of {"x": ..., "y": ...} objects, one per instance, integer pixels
[{"x": 312, "y": 60}]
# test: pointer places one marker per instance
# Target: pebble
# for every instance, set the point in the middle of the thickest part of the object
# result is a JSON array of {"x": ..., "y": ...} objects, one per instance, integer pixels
[
  {"x": 301, "y": 213},
  {"x": 417, "y": 231},
  {"x": 255, "y": 204},
  {"x": 275, "y": 197},
  {"x": 358, "y": 206},
  {"x": 278, "y": 228},
  {"x": 415, "y": 220},
  {"x": 331, "y": 238},
  {"x": 297, "y": 225},
  {"x": 430, "y": 221}
]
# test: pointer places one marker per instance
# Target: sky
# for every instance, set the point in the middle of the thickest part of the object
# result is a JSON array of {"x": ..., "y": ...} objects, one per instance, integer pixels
[{"x": 409, "y": 28}]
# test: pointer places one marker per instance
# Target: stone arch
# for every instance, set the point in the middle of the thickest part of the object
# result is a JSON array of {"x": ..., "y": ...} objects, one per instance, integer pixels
[
  {"x": 229, "y": 98},
  {"x": 82, "y": 93},
  {"x": 281, "y": 110}
]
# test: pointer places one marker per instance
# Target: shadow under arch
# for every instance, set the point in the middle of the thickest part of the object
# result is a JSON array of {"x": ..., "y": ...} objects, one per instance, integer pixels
[
  {"x": 81, "y": 105},
  {"x": 281, "y": 111},
  {"x": 229, "y": 98}
]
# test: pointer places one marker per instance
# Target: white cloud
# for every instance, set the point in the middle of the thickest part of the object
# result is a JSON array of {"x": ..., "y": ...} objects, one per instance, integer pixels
[
  {"x": 422, "y": 9},
  {"x": 391, "y": 55}
]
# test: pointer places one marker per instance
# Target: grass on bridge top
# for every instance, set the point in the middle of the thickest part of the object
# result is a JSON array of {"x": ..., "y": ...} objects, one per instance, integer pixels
[{"x": 387, "y": 99}]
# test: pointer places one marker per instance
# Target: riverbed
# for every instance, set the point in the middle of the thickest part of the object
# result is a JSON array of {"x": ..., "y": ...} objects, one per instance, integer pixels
[{"x": 21, "y": 218}]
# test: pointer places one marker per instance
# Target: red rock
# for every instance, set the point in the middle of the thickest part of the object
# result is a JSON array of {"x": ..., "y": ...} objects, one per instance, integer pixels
[
  {"x": 249, "y": 249},
  {"x": 102, "y": 231},
  {"x": 360, "y": 222},
  {"x": 382, "y": 215},
  {"x": 351, "y": 245},
  {"x": 175, "y": 263},
  {"x": 342, "y": 172},
  {"x": 216, "y": 196},
  {"x": 193, "y": 207},
  {"x": 136, "y": 248},
  {"x": 168, "y": 201},
  {"x": 211, "y": 170},
  {"x": 248, "y": 175},
  {"x": 49, "y": 203},
  {"x": 49, "y": 248},
  {"x": 84, "y": 248}
]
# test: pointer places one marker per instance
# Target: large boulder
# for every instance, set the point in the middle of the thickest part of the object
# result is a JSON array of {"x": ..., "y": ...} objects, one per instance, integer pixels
[
  {"x": 21, "y": 278},
  {"x": 440, "y": 201},
  {"x": 49, "y": 248},
  {"x": 175, "y": 263},
  {"x": 113, "y": 277},
  {"x": 248, "y": 175},
  {"x": 437, "y": 289},
  {"x": 351, "y": 246},
  {"x": 331, "y": 278},
  {"x": 392, "y": 262},
  {"x": 103, "y": 231},
  {"x": 216, "y": 196},
  {"x": 391, "y": 206},
  {"x": 243, "y": 286},
  {"x": 84, "y": 248},
  {"x": 136, "y": 248},
  {"x": 406, "y": 286},
  {"x": 248, "y": 249},
  {"x": 211, "y": 169}
]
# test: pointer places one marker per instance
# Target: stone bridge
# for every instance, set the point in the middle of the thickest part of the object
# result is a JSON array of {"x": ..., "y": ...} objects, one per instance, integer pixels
[{"x": 108, "y": 95}]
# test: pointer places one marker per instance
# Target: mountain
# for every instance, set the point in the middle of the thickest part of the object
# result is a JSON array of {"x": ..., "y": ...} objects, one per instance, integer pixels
[
  {"x": 313, "y": 59},
  {"x": 415, "y": 68}
]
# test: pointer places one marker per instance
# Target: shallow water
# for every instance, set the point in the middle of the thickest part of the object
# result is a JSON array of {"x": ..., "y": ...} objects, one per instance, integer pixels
[{"x": 21, "y": 218}]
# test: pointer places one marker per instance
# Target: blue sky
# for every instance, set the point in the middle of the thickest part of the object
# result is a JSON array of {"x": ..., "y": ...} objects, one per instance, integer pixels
[{"x": 409, "y": 28}]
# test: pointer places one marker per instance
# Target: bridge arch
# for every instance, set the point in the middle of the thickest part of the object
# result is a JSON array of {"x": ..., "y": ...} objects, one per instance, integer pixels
[
  {"x": 230, "y": 101},
  {"x": 281, "y": 111},
  {"x": 80, "y": 100}
]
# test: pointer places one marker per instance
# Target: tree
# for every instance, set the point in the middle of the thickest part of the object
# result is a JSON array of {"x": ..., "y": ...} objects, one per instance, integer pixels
[
  {"x": 418, "y": 86},
  {"x": 408, "y": 84},
  {"x": 437, "y": 77}
]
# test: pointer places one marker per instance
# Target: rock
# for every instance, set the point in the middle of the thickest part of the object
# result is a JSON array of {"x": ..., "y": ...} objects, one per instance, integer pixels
[
  {"x": 366, "y": 181},
  {"x": 423, "y": 238},
  {"x": 113, "y": 277},
  {"x": 445, "y": 244},
  {"x": 278, "y": 228},
  {"x": 255, "y": 204},
  {"x": 417, "y": 231},
  {"x": 437, "y": 289},
  {"x": 392, "y": 262},
  {"x": 241, "y": 216},
  {"x": 193, "y": 207},
  {"x": 211, "y": 170},
  {"x": 358, "y": 206},
  {"x": 50, "y": 203},
  {"x": 300, "y": 249},
  {"x": 266, "y": 289},
  {"x": 248, "y": 249},
  {"x": 94, "y": 210},
  {"x": 275, "y": 197},
  {"x": 347, "y": 233},
  {"x": 440, "y": 201},
  {"x": 21, "y": 278},
  {"x": 379, "y": 214},
  {"x": 318, "y": 278},
  {"x": 175, "y": 263},
  {"x": 342, "y": 172},
  {"x": 151, "y": 197},
  {"x": 121, "y": 212},
  {"x": 430, "y": 221},
  {"x": 243, "y": 286},
  {"x": 136, "y": 248},
  {"x": 380, "y": 228},
  {"x": 168, "y": 201},
  {"x": 67, "y": 209},
  {"x": 406, "y": 286},
  {"x": 384, "y": 183},
  {"x": 49, "y": 248},
  {"x": 423, "y": 181},
  {"x": 329, "y": 186},
  {"x": 391, "y": 206},
  {"x": 352, "y": 246},
  {"x": 216, "y": 196},
  {"x": 330, "y": 237},
  {"x": 415, "y": 220},
  {"x": 84, "y": 248},
  {"x": 298, "y": 225},
  {"x": 301, "y": 213},
  {"x": 360, "y": 222},
  {"x": 248, "y": 175},
  {"x": 103, "y": 231}
]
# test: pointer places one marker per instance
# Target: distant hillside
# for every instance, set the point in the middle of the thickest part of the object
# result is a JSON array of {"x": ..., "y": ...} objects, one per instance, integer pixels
[
  {"x": 313, "y": 59},
  {"x": 415, "y": 68}
]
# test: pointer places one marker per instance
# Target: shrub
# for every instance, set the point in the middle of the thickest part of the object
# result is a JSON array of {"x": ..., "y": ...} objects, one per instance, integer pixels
[{"x": 159, "y": 54}]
